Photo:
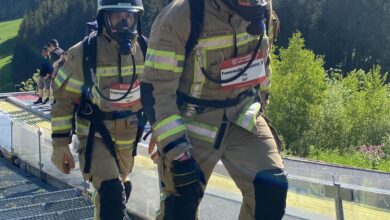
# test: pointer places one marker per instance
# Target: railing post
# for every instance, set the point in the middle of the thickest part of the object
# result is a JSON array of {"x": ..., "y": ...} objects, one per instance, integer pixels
[
  {"x": 40, "y": 164},
  {"x": 12, "y": 137},
  {"x": 338, "y": 202}
]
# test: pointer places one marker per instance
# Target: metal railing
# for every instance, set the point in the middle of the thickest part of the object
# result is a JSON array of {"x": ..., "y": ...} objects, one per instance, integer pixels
[{"x": 313, "y": 195}]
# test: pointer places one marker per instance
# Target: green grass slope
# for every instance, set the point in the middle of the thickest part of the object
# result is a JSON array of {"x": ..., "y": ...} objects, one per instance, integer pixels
[{"x": 8, "y": 33}]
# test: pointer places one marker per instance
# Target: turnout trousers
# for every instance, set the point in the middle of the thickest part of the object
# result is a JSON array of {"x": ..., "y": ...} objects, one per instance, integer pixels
[
  {"x": 109, "y": 181},
  {"x": 250, "y": 158}
]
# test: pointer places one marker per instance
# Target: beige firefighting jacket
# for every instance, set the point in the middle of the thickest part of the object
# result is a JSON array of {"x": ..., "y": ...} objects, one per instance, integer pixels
[
  {"x": 167, "y": 70},
  {"x": 67, "y": 92}
]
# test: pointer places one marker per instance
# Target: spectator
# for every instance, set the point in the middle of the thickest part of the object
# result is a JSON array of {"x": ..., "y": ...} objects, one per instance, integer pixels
[
  {"x": 56, "y": 58},
  {"x": 44, "y": 77}
]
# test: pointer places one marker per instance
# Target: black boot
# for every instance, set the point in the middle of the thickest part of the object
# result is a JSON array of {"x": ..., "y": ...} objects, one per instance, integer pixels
[
  {"x": 128, "y": 188},
  {"x": 46, "y": 100},
  {"x": 38, "y": 101}
]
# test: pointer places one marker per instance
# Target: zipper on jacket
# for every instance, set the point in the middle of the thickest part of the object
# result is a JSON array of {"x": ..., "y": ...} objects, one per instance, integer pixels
[{"x": 234, "y": 37}]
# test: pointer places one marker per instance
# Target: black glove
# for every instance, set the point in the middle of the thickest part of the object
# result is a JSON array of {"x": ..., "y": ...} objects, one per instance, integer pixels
[{"x": 188, "y": 178}]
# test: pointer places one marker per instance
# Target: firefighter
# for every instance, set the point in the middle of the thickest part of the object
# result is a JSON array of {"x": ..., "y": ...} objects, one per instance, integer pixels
[
  {"x": 100, "y": 80},
  {"x": 201, "y": 90}
]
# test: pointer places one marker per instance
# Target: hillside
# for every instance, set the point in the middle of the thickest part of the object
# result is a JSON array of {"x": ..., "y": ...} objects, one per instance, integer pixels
[{"x": 8, "y": 33}]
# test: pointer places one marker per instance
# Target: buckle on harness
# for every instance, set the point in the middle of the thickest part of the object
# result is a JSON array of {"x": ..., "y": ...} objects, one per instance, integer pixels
[{"x": 87, "y": 110}]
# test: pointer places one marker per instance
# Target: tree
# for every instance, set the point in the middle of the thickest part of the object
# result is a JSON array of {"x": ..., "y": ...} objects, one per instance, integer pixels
[
  {"x": 63, "y": 20},
  {"x": 298, "y": 89}
]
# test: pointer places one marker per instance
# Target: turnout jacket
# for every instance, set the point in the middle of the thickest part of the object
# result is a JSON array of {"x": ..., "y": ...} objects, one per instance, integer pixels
[
  {"x": 67, "y": 92},
  {"x": 167, "y": 71}
]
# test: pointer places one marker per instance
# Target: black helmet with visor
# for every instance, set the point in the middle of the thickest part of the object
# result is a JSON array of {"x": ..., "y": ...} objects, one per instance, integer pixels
[{"x": 120, "y": 18}]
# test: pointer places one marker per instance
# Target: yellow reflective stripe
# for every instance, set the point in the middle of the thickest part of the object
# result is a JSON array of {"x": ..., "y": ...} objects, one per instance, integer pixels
[
  {"x": 216, "y": 42},
  {"x": 74, "y": 86},
  {"x": 172, "y": 132},
  {"x": 113, "y": 71},
  {"x": 224, "y": 41},
  {"x": 123, "y": 142},
  {"x": 61, "y": 123},
  {"x": 164, "y": 60},
  {"x": 245, "y": 38},
  {"x": 201, "y": 131},
  {"x": 247, "y": 119},
  {"x": 169, "y": 126},
  {"x": 60, "y": 78},
  {"x": 62, "y": 118},
  {"x": 167, "y": 121},
  {"x": 61, "y": 128}
]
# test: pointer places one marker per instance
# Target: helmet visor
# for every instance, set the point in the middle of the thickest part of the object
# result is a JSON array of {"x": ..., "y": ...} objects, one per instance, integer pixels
[
  {"x": 252, "y": 2},
  {"x": 122, "y": 21}
]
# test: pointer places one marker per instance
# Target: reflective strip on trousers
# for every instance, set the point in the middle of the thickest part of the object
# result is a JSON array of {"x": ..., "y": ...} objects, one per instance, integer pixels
[
  {"x": 201, "y": 131},
  {"x": 169, "y": 127},
  {"x": 164, "y": 60},
  {"x": 124, "y": 144},
  {"x": 61, "y": 123},
  {"x": 247, "y": 119}
]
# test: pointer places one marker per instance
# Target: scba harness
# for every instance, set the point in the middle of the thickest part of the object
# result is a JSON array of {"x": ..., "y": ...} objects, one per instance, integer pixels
[{"x": 91, "y": 112}]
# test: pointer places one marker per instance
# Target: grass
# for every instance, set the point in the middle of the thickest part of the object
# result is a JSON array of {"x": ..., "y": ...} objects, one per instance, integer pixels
[
  {"x": 353, "y": 159},
  {"x": 8, "y": 33}
]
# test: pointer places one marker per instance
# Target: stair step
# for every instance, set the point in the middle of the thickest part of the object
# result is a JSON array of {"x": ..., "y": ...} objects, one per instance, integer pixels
[
  {"x": 21, "y": 190},
  {"x": 10, "y": 175},
  {"x": 49, "y": 207},
  {"x": 7, "y": 184},
  {"x": 38, "y": 198},
  {"x": 74, "y": 214}
]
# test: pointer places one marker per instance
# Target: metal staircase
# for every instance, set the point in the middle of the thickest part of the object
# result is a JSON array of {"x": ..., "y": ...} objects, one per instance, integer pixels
[{"x": 22, "y": 196}]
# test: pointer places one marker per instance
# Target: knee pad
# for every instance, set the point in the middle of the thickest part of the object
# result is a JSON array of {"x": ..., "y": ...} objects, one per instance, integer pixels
[
  {"x": 270, "y": 194},
  {"x": 180, "y": 208},
  {"x": 112, "y": 200}
]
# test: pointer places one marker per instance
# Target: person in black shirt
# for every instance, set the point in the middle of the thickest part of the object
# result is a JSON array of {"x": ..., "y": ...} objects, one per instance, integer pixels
[{"x": 44, "y": 82}]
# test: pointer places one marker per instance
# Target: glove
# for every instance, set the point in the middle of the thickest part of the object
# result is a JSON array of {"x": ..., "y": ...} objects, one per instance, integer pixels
[
  {"x": 62, "y": 158},
  {"x": 187, "y": 178}
]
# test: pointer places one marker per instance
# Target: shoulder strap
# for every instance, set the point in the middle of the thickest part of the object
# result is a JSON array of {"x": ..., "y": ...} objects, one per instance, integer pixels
[
  {"x": 142, "y": 39},
  {"x": 89, "y": 59},
  {"x": 197, "y": 18}
]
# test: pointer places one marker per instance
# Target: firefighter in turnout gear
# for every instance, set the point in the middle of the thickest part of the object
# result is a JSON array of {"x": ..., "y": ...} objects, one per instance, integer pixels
[
  {"x": 98, "y": 90},
  {"x": 201, "y": 90}
]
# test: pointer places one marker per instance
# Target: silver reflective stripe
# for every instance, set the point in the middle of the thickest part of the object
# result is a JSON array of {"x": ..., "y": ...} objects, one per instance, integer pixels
[
  {"x": 247, "y": 119},
  {"x": 216, "y": 42},
  {"x": 245, "y": 38},
  {"x": 172, "y": 61},
  {"x": 201, "y": 131},
  {"x": 169, "y": 126}
]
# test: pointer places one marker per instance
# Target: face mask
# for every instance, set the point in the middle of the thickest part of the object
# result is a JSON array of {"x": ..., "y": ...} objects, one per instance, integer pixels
[
  {"x": 252, "y": 11},
  {"x": 122, "y": 30}
]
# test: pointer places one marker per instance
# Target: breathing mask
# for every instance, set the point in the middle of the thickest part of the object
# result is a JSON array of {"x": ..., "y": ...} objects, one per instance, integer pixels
[
  {"x": 122, "y": 27},
  {"x": 253, "y": 11}
]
